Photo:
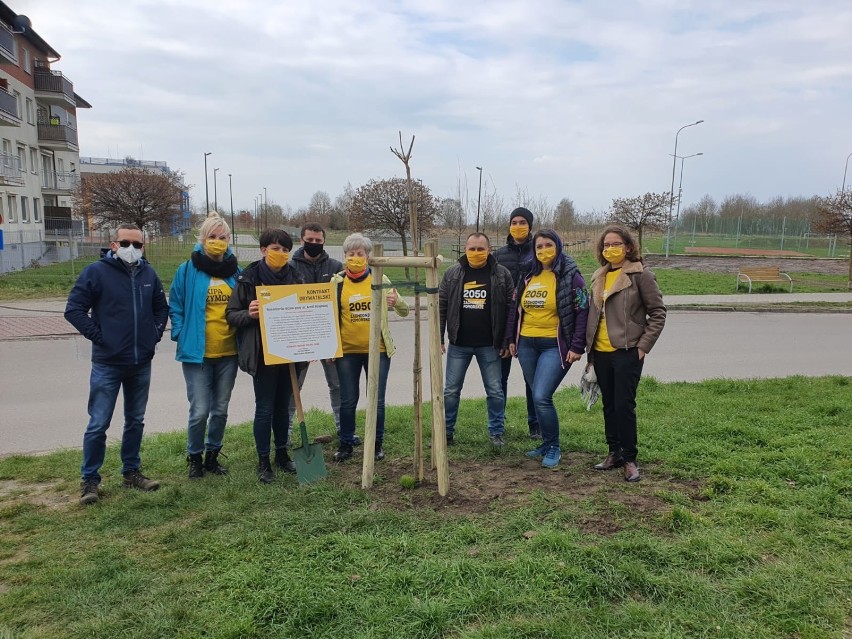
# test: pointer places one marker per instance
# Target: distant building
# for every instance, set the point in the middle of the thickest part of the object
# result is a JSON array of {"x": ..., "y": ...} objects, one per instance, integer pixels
[{"x": 39, "y": 156}]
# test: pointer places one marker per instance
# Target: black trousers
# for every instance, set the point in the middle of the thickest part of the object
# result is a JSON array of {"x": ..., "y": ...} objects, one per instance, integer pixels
[{"x": 618, "y": 377}]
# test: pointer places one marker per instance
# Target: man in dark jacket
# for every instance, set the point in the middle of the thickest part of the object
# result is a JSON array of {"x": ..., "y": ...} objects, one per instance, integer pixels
[
  {"x": 515, "y": 255},
  {"x": 118, "y": 303},
  {"x": 316, "y": 267},
  {"x": 473, "y": 299}
]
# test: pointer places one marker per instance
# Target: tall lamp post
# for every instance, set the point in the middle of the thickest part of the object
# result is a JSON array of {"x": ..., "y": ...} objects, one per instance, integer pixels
[
  {"x": 215, "y": 191},
  {"x": 479, "y": 198},
  {"x": 843, "y": 188},
  {"x": 680, "y": 185},
  {"x": 265, "y": 209},
  {"x": 231, "y": 191},
  {"x": 206, "y": 189},
  {"x": 674, "y": 166}
]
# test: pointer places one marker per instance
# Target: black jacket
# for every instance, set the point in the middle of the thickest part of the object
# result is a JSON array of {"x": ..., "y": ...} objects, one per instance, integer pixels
[
  {"x": 249, "y": 343},
  {"x": 450, "y": 299},
  {"x": 128, "y": 311},
  {"x": 513, "y": 256},
  {"x": 319, "y": 271}
]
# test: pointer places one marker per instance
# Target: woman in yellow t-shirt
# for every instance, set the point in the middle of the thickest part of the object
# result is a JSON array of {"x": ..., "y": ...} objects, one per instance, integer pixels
[
  {"x": 354, "y": 292},
  {"x": 206, "y": 344},
  {"x": 546, "y": 331}
]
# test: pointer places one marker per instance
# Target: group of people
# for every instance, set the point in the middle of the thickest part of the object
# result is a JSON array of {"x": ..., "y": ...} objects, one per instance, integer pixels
[{"x": 527, "y": 300}]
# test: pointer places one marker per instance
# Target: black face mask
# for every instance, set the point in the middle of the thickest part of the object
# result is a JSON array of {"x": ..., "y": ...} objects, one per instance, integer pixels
[{"x": 313, "y": 250}]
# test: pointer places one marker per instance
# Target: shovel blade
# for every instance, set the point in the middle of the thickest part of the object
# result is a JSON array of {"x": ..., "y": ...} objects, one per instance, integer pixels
[{"x": 310, "y": 466}]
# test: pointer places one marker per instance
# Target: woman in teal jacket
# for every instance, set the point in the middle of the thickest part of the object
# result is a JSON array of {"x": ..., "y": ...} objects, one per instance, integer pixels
[{"x": 206, "y": 343}]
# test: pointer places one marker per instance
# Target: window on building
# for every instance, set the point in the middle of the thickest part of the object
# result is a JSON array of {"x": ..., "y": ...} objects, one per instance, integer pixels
[
  {"x": 30, "y": 112},
  {"x": 36, "y": 209},
  {"x": 22, "y": 158},
  {"x": 34, "y": 160},
  {"x": 13, "y": 208},
  {"x": 18, "y": 103},
  {"x": 25, "y": 213},
  {"x": 27, "y": 66}
]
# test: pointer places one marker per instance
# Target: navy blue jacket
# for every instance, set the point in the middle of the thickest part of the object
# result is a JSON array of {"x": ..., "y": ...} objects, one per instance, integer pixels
[{"x": 128, "y": 311}]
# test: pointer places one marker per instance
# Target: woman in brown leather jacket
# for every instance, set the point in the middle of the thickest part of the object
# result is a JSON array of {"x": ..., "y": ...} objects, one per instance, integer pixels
[{"x": 626, "y": 317}]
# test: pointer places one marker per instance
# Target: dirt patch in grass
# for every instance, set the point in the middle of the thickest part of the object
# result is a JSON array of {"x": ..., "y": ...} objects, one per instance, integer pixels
[
  {"x": 602, "y": 502},
  {"x": 45, "y": 494}
]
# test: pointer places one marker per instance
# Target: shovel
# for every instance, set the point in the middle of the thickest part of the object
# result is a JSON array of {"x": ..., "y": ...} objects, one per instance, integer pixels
[{"x": 308, "y": 457}]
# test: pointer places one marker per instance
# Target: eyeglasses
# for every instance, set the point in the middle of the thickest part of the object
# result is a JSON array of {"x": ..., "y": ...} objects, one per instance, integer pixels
[
  {"x": 614, "y": 245},
  {"x": 126, "y": 243}
]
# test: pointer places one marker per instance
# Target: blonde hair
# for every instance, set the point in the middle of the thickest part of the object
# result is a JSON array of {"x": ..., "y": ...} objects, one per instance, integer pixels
[{"x": 213, "y": 222}]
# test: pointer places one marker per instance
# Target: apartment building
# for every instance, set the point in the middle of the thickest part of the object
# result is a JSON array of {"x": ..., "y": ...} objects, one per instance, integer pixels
[{"x": 39, "y": 148}]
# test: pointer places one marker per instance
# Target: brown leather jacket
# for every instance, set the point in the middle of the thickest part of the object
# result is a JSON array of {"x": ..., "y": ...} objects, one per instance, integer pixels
[{"x": 635, "y": 313}]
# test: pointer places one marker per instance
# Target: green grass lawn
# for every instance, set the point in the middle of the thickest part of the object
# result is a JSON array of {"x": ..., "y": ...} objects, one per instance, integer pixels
[{"x": 741, "y": 528}]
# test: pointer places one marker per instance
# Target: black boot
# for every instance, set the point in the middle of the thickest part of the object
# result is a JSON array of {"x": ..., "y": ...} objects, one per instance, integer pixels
[
  {"x": 380, "y": 451},
  {"x": 196, "y": 467},
  {"x": 264, "y": 470},
  {"x": 211, "y": 463},
  {"x": 283, "y": 461}
]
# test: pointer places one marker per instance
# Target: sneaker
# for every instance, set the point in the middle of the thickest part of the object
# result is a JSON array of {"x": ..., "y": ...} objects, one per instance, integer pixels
[
  {"x": 537, "y": 452},
  {"x": 356, "y": 441},
  {"x": 451, "y": 439},
  {"x": 535, "y": 431},
  {"x": 551, "y": 457},
  {"x": 343, "y": 453},
  {"x": 89, "y": 492},
  {"x": 211, "y": 463},
  {"x": 135, "y": 479},
  {"x": 497, "y": 441},
  {"x": 264, "y": 470},
  {"x": 196, "y": 466},
  {"x": 283, "y": 461},
  {"x": 380, "y": 452}
]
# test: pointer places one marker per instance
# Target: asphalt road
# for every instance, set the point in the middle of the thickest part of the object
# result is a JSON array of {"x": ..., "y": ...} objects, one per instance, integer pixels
[{"x": 44, "y": 382}]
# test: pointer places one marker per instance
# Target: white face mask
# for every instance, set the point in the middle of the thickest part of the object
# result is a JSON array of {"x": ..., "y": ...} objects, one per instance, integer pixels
[{"x": 129, "y": 254}]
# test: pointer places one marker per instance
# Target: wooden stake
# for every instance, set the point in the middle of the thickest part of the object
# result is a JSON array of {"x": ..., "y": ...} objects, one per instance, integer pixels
[
  {"x": 377, "y": 299},
  {"x": 436, "y": 372}
]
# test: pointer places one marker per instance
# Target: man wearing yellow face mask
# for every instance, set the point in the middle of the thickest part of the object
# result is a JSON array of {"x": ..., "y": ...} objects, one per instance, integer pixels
[
  {"x": 206, "y": 343},
  {"x": 272, "y": 390},
  {"x": 515, "y": 255},
  {"x": 473, "y": 300}
]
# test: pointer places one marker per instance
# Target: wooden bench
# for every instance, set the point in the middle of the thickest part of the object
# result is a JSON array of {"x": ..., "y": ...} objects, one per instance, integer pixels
[{"x": 752, "y": 274}]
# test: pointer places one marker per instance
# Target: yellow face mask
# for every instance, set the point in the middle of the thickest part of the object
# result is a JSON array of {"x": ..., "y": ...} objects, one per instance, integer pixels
[
  {"x": 613, "y": 254},
  {"x": 277, "y": 259},
  {"x": 546, "y": 255},
  {"x": 356, "y": 263},
  {"x": 476, "y": 259},
  {"x": 519, "y": 233},
  {"x": 215, "y": 247}
]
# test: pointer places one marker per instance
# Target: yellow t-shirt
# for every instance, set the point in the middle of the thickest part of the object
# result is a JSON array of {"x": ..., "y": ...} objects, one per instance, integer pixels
[
  {"x": 602, "y": 342},
  {"x": 220, "y": 338},
  {"x": 539, "y": 305},
  {"x": 355, "y": 316}
]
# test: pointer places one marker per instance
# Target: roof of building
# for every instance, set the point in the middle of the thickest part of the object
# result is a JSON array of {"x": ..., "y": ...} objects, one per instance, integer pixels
[{"x": 8, "y": 16}]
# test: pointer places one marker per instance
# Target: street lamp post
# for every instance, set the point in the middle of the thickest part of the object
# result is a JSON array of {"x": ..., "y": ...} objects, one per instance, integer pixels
[
  {"x": 671, "y": 199},
  {"x": 843, "y": 188},
  {"x": 265, "y": 208},
  {"x": 479, "y": 198},
  {"x": 680, "y": 189},
  {"x": 215, "y": 191},
  {"x": 231, "y": 191},
  {"x": 206, "y": 189}
]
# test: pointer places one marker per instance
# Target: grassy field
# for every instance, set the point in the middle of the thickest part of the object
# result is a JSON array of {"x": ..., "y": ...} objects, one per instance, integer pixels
[{"x": 741, "y": 527}]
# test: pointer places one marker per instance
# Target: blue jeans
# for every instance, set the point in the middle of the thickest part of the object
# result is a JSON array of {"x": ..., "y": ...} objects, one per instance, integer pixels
[
  {"x": 272, "y": 392},
  {"x": 104, "y": 384},
  {"x": 542, "y": 366},
  {"x": 330, "y": 370},
  {"x": 458, "y": 359},
  {"x": 506, "y": 364},
  {"x": 349, "y": 369},
  {"x": 208, "y": 389}
]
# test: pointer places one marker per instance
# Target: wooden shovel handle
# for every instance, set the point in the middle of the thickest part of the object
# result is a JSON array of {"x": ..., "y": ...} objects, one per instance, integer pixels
[{"x": 297, "y": 394}]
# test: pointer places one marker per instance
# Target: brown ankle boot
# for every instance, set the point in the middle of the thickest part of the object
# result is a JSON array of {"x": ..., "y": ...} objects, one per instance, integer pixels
[
  {"x": 631, "y": 471},
  {"x": 613, "y": 460}
]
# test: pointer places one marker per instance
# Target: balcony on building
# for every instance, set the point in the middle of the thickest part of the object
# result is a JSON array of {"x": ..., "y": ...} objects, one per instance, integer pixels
[
  {"x": 53, "y": 135},
  {"x": 59, "y": 182},
  {"x": 10, "y": 170},
  {"x": 8, "y": 109},
  {"x": 8, "y": 51},
  {"x": 52, "y": 87}
]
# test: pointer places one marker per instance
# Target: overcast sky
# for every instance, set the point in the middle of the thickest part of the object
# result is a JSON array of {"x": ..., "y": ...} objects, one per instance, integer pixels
[{"x": 562, "y": 99}]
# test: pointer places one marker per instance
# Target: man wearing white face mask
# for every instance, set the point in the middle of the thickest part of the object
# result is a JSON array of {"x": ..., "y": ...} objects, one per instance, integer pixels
[{"x": 118, "y": 303}]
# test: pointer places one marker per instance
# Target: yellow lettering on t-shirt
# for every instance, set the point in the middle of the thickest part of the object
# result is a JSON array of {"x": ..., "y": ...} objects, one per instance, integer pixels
[
  {"x": 220, "y": 338},
  {"x": 539, "y": 305}
]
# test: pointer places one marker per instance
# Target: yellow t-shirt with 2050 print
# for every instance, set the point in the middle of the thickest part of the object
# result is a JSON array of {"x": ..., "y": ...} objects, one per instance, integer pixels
[{"x": 539, "y": 305}]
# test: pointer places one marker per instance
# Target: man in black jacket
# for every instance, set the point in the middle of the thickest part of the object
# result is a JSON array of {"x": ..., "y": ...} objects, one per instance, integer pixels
[
  {"x": 317, "y": 267},
  {"x": 473, "y": 299},
  {"x": 118, "y": 303},
  {"x": 515, "y": 256}
]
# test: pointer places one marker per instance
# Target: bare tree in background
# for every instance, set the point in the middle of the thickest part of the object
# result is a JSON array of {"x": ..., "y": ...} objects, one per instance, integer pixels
[
  {"x": 565, "y": 216},
  {"x": 641, "y": 213},
  {"x": 834, "y": 215},
  {"x": 452, "y": 217},
  {"x": 148, "y": 199},
  {"x": 319, "y": 208},
  {"x": 342, "y": 209}
]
